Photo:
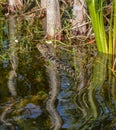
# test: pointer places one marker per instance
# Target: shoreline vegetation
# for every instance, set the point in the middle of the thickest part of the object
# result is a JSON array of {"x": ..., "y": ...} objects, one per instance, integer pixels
[{"x": 79, "y": 38}]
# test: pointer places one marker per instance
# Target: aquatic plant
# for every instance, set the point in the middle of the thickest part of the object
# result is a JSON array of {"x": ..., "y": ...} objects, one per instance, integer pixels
[
  {"x": 99, "y": 70},
  {"x": 96, "y": 13},
  {"x": 97, "y": 18}
]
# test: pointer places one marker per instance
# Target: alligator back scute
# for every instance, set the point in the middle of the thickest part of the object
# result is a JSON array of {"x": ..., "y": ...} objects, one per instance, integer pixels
[{"x": 44, "y": 50}]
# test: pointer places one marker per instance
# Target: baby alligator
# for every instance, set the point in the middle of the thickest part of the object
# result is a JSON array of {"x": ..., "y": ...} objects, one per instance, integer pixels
[{"x": 44, "y": 50}]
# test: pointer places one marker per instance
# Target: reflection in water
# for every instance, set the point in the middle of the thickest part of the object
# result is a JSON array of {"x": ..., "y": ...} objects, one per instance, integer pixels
[
  {"x": 98, "y": 78},
  {"x": 97, "y": 100},
  {"x": 93, "y": 107},
  {"x": 12, "y": 55},
  {"x": 11, "y": 84},
  {"x": 65, "y": 102},
  {"x": 12, "y": 74},
  {"x": 54, "y": 89}
]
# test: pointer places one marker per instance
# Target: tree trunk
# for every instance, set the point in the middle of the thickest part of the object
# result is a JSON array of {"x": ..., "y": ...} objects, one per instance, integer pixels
[
  {"x": 43, "y": 12},
  {"x": 53, "y": 19},
  {"x": 79, "y": 17},
  {"x": 15, "y": 4}
]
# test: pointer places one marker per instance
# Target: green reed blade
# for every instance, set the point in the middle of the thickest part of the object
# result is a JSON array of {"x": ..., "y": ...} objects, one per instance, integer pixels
[
  {"x": 96, "y": 13},
  {"x": 114, "y": 28}
]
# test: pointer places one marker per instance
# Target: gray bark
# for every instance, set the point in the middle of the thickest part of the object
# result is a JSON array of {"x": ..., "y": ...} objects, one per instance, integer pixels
[
  {"x": 14, "y": 4},
  {"x": 79, "y": 17},
  {"x": 53, "y": 18}
]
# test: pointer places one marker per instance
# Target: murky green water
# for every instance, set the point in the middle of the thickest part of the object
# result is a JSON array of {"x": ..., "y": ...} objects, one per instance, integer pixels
[{"x": 35, "y": 98}]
